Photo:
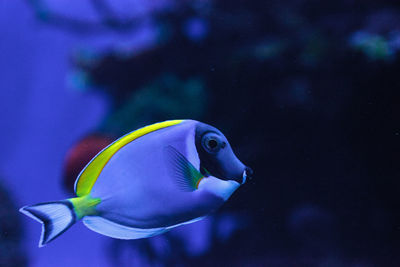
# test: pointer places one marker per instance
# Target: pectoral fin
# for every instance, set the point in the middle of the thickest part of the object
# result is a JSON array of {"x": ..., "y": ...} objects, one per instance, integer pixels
[{"x": 187, "y": 177}]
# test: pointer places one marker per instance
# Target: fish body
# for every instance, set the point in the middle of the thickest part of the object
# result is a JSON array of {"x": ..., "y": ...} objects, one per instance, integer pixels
[{"x": 148, "y": 182}]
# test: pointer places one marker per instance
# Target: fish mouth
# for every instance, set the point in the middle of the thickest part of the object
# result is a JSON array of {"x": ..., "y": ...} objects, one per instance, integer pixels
[
  {"x": 247, "y": 173},
  {"x": 244, "y": 177}
]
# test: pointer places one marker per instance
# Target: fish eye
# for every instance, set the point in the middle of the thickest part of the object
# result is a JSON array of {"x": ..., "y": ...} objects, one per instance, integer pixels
[{"x": 211, "y": 143}]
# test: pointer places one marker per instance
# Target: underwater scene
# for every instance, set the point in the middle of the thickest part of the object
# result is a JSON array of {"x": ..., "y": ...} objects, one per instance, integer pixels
[{"x": 200, "y": 133}]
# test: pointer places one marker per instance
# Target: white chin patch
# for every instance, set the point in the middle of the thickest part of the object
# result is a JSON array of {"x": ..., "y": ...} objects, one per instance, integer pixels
[
  {"x": 244, "y": 177},
  {"x": 218, "y": 187}
]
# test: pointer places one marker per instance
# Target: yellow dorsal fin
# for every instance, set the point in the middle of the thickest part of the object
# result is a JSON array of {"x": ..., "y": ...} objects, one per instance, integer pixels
[{"x": 87, "y": 178}]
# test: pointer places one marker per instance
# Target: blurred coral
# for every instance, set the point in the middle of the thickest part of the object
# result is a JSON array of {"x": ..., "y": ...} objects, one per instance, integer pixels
[
  {"x": 80, "y": 155},
  {"x": 167, "y": 97}
]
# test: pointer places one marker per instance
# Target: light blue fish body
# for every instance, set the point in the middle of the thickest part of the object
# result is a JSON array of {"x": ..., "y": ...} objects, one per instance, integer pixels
[{"x": 148, "y": 182}]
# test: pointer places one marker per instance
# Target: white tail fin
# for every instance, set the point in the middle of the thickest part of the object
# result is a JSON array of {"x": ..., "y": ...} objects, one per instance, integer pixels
[{"x": 55, "y": 217}]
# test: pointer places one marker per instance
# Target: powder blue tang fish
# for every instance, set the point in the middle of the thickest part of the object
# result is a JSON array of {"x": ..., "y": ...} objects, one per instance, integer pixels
[{"x": 148, "y": 182}]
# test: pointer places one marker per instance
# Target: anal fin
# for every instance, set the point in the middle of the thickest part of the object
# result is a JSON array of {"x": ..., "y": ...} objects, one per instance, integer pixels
[{"x": 115, "y": 230}]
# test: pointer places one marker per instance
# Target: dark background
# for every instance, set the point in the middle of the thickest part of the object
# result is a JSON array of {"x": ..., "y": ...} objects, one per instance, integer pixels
[{"x": 307, "y": 92}]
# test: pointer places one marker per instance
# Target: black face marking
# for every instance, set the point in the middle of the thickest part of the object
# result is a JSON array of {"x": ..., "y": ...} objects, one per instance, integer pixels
[{"x": 216, "y": 155}]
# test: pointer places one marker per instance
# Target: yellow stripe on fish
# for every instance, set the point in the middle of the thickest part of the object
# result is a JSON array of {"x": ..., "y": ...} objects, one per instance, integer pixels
[{"x": 91, "y": 172}]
